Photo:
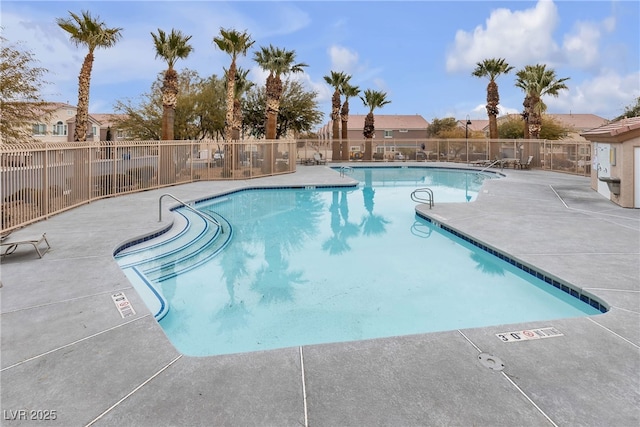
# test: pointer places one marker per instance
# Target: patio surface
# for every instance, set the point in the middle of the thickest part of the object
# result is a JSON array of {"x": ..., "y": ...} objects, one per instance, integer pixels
[{"x": 66, "y": 352}]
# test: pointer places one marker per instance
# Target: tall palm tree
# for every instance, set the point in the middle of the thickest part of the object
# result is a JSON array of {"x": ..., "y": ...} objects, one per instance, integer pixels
[
  {"x": 492, "y": 68},
  {"x": 170, "y": 47},
  {"x": 372, "y": 99},
  {"x": 537, "y": 81},
  {"x": 242, "y": 85},
  {"x": 336, "y": 80},
  {"x": 277, "y": 62},
  {"x": 349, "y": 92},
  {"x": 234, "y": 43},
  {"x": 87, "y": 31}
]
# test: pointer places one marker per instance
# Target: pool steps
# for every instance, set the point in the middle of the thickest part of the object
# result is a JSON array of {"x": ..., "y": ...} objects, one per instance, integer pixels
[{"x": 191, "y": 241}]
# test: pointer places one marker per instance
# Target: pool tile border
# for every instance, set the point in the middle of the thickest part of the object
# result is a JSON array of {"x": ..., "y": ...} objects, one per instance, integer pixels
[{"x": 565, "y": 287}]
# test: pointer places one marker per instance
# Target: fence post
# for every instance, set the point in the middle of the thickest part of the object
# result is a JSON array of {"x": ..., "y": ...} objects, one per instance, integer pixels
[{"x": 45, "y": 181}]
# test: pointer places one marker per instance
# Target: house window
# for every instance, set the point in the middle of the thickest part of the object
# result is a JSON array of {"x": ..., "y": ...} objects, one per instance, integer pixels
[
  {"x": 404, "y": 130},
  {"x": 60, "y": 129},
  {"x": 39, "y": 129},
  {"x": 388, "y": 134}
]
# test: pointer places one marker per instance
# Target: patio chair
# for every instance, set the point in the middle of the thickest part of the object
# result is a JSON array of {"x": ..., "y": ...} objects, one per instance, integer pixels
[
  {"x": 525, "y": 165},
  {"x": 12, "y": 244},
  {"x": 318, "y": 159}
]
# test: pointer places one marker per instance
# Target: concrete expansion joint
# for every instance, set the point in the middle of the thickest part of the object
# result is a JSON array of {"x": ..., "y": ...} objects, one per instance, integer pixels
[
  {"x": 31, "y": 307},
  {"x": 496, "y": 364},
  {"x": 614, "y": 333},
  {"x": 73, "y": 343},
  {"x": 132, "y": 392}
]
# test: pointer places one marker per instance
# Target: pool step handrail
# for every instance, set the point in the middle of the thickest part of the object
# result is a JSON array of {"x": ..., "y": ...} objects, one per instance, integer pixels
[
  {"x": 491, "y": 165},
  {"x": 345, "y": 170},
  {"x": 423, "y": 195},
  {"x": 203, "y": 215}
]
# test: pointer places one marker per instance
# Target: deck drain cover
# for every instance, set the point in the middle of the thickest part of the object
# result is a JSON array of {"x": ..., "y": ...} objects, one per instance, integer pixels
[{"x": 490, "y": 361}]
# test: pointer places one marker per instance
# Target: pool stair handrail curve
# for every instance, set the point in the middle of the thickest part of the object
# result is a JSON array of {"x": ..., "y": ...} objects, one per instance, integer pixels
[
  {"x": 203, "y": 215},
  {"x": 423, "y": 195},
  {"x": 345, "y": 170},
  {"x": 490, "y": 165}
]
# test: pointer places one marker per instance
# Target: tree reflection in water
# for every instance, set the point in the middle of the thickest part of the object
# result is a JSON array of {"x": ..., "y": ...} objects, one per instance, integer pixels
[{"x": 371, "y": 224}]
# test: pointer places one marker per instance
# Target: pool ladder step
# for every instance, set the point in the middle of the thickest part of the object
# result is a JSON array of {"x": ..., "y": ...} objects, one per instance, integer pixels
[{"x": 185, "y": 251}]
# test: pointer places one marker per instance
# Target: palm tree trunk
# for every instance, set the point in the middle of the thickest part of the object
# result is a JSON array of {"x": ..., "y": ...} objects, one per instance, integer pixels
[
  {"x": 169, "y": 98},
  {"x": 526, "y": 113},
  {"x": 368, "y": 132},
  {"x": 82, "y": 115},
  {"x": 368, "y": 148},
  {"x": 344, "y": 117},
  {"x": 335, "y": 118},
  {"x": 228, "y": 119},
  {"x": 492, "y": 109}
]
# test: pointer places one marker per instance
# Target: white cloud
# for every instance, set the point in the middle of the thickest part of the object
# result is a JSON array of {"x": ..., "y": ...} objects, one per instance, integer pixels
[
  {"x": 581, "y": 47},
  {"x": 521, "y": 37},
  {"x": 343, "y": 59},
  {"x": 605, "y": 95}
]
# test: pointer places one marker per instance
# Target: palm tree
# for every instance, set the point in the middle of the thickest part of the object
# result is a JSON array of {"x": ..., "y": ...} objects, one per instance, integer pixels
[
  {"x": 348, "y": 91},
  {"x": 234, "y": 43},
  {"x": 87, "y": 31},
  {"x": 372, "y": 99},
  {"x": 170, "y": 48},
  {"x": 492, "y": 68},
  {"x": 277, "y": 62},
  {"x": 242, "y": 85},
  {"x": 336, "y": 80},
  {"x": 537, "y": 81}
]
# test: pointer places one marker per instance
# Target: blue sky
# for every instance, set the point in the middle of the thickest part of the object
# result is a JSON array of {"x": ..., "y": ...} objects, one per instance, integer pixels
[{"x": 421, "y": 53}]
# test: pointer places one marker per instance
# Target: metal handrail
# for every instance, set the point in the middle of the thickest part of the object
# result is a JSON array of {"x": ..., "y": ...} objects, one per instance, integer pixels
[
  {"x": 416, "y": 198},
  {"x": 344, "y": 170},
  {"x": 490, "y": 165},
  {"x": 197, "y": 212}
]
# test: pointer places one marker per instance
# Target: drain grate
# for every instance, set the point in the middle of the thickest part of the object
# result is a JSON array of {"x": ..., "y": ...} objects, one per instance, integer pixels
[{"x": 490, "y": 361}]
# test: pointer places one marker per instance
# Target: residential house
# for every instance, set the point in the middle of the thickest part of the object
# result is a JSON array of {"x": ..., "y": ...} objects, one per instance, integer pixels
[
  {"x": 57, "y": 124},
  {"x": 392, "y": 133},
  {"x": 57, "y": 121},
  {"x": 575, "y": 123}
]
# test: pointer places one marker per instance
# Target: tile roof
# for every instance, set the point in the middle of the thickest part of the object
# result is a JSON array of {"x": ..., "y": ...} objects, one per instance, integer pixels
[
  {"x": 576, "y": 122},
  {"x": 615, "y": 128},
  {"x": 579, "y": 121},
  {"x": 50, "y": 107},
  {"x": 390, "y": 121}
]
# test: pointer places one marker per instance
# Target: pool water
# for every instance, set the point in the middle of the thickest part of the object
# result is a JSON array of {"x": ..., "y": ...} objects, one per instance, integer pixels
[{"x": 319, "y": 265}]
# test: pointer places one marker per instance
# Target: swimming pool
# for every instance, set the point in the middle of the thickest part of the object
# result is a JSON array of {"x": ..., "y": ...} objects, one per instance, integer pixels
[{"x": 316, "y": 265}]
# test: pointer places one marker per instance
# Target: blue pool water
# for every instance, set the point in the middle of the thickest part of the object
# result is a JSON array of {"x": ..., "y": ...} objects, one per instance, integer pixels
[{"x": 317, "y": 265}]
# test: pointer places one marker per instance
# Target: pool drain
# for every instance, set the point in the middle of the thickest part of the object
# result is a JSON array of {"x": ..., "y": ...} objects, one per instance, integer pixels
[{"x": 490, "y": 361}]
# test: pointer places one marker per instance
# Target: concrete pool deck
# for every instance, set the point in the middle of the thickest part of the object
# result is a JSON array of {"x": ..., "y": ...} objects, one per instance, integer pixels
[{"x": 66, "y": 352}]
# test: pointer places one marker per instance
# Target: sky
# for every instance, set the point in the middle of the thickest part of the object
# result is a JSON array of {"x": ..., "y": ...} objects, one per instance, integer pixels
[{"x": 421, "y": 53}]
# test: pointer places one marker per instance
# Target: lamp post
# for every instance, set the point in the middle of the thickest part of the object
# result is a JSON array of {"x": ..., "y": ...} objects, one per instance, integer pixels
[
  {"x": 466, "y": 128},
  {"x": 466, "y": 136}
]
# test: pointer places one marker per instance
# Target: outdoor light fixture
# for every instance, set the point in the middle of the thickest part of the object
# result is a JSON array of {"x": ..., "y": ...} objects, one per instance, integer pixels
[{"x": 466, "y": 128}]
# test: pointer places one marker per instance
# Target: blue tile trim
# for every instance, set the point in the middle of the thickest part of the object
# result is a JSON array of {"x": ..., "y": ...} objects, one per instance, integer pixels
[
  {"x": 164, "y": 306},
  {"x": 443, "y": 168},
  {"x": 287, "y": 187},
  {"x": 141, "y": 240},
  {"x": 565, "y": 287}
]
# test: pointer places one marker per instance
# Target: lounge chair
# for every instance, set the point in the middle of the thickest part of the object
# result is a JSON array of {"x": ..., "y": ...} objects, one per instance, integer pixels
[
  {"x": 12, "y": 244},
  {"x": 480, "y": 162},
  {"x": 525, "y": 165}
]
